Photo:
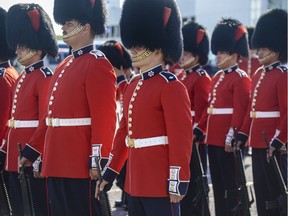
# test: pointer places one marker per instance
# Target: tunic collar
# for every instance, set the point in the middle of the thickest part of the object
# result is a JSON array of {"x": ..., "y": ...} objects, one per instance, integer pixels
[
  {"x": 151, "y": 73},
  {"x": 196, "y": 67},
  {"x": 5, "y": 64},
  {"x": 82, "y": 51},
  {"x": 229, "y": 70},
  {"x": 34, "y": 66},
  {"x": 271, "y": 66}
]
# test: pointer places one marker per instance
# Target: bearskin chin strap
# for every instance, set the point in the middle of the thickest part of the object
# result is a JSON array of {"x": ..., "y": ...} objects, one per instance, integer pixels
[
  {"x": 143, "y": 56},
  {"x": 74, "y": 32},
  {"x": 28, "y": 56},
  {"x": 267, "y": 58},
  {"x": 188, "y": 63},
  {"x": 227, "y": 58}
]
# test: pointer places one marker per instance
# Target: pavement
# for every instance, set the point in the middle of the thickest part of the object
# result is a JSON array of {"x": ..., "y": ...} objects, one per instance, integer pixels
[{"x": 115, "y": 193}]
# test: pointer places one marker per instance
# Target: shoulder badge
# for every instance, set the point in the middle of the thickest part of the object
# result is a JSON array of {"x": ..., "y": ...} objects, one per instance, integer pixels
[
  {"x": 201, "y": 72},
  {"x": 2, "y": 71},
  {"x": 282, "y": 68},
  {"x": 241, "y": 73},
  {"x": 97, "y": 53},
  {"x": 46, "y": 71},
  {"x": 169, "y": 77}
]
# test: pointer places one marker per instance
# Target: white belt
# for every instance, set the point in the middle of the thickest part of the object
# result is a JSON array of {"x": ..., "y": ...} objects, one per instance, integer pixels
[
  {"x": 192, "y": 113},
  {"x": 57, "y": 122},
  {"x": 146, "y": 142},
  {"x": 218, "y": 111},
  {"x": 12, "y": 123},
  {"x": 261, "y": 114}
]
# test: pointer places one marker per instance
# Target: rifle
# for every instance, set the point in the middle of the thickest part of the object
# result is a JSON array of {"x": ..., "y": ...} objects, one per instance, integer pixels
[
  {"x": 201, "y": 181},
  {"x": 5, "y": 204},
  {"x": 103, "y": 195},
  {"x": 281, "y": 202},
  {"x": 244, "y": 203},
  {"x": 23, "y": 177}
]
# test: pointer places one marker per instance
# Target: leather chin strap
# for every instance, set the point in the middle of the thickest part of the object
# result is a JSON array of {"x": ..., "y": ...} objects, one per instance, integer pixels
[
  {"x": 28, "y": 56},
  {"x": 227, "y": 58},
  {"x": 188, "y": 62},
  {"x": 74, "y": 32},
  {"x": 267, "y": 58},
  {"x": 143, "y": 56}
]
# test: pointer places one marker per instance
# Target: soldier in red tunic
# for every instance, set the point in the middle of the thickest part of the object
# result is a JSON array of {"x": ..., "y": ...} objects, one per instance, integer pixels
[
  {"x": 228, "y": 101},
  {"x": 197, "y": 82},
  {"x": 8, "y": 76},
  {"x": 154, "y": 136},
  {"x": 30, "y": 32},
  {"x": 81, "y": 111},
  {"x": 267, "y": 110},
  {"x": 251, "y": 64}
]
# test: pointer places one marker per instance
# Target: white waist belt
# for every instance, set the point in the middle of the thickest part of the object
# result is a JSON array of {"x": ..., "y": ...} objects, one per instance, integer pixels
[
  {"x": 192, "y": 113},
  {"x": 58, "y": 122},
  {"x": 12, "y": 123},
  {"x": 262, "y": 114},
  {"x": 146, "y": 142},
  {"x": 218, "y": 111}
]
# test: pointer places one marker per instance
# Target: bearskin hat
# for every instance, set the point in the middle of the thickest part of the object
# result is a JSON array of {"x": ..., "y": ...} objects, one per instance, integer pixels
[
  {"x": 85, "y": 11},
  {"x": 29, "y": 25},
  {"x": 5, "y": 52},
  {"x": 230, "y": 36},
  {"x": 116, "y": 54},
  {"x": 196, "y": 40},
  {"x": 271, "y": 32},
  {"x": 154, "y": 24}
]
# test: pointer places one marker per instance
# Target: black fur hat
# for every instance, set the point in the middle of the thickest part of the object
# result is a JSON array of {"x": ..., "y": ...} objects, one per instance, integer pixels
[
  {"x": 116, "y": 54},
  {"x": 84, "y": 11},
  {"x": 29, "y": 25},
  {"x": 154, "y": 24},
  {"x": 5, "y": 52},
  {"x": 196, "y": 40},
  {"x": 271, "y": 32},
  {"x": 230, "y": 36}
]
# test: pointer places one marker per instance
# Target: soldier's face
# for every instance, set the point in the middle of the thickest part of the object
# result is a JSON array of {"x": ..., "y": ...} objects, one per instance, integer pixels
[
  {"x": 25, "y": 55},
  {"x": 224, "y": 60},
  {"x": 267, "y": 56},
  {"x": 187, "y": 60}
]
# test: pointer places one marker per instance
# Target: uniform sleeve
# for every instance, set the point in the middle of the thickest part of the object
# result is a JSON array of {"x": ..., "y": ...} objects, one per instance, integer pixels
[
  {"x": 241, "y": 94},
  {"x": 5, "y": 108},
  {"x": 118, "y": 155},
  {"x": 35, "y": 146},
  {"x": 179, "y": 131},
  {"x": 100, "y": 88},
  {"x": 202, "y": 89},
  {"x": 280, "y": 137}
]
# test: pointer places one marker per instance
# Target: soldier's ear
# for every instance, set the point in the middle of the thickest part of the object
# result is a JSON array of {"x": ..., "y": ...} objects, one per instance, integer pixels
[{"x": 87, "y": 27}]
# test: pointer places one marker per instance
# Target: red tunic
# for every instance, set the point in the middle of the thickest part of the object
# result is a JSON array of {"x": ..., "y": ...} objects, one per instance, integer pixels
[
  {"x": 269, "y": 94},
  {"x": 229, "y": 89},
  {"x": 197, "y": 82},
  {"x": 29, "y": 100},
  {"x": 152, "y": 110},
  {"x": 84, "y": 86},
  {"x": 8, "y": 76}
]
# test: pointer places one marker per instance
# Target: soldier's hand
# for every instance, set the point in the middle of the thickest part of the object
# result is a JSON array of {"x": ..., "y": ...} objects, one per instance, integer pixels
[
  {"x": 21, "y": 163},
  {"x": 176, "y": 198},
  {"x": 270, "y": 152},
  {"x": 93, "y": 174},
  {"x": 100, "y": 187},
  {"x": 37, "y": 175}
]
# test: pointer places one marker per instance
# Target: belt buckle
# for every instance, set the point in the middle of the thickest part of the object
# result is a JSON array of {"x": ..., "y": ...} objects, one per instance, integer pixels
[
  {"x": 210, "y": 110},
  {"x": 11, "y": 123},
  {"x": 49, "y": 122},
  {"x": 253, "y": 114},
  {"x": 131, "y": 143}
]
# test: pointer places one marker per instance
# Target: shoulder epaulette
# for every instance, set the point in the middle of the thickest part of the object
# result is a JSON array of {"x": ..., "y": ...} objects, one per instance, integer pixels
[
  {"x": 2, "y": 71},
  {"x": 241, "y": 73},
  {"x": 46, "y": 71},
  {"x": 282, "y": 68},
  {"x": 168, "y": 76},
  {"x": 201, "y": 72},
  {"x": 97, "y": 53}
]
